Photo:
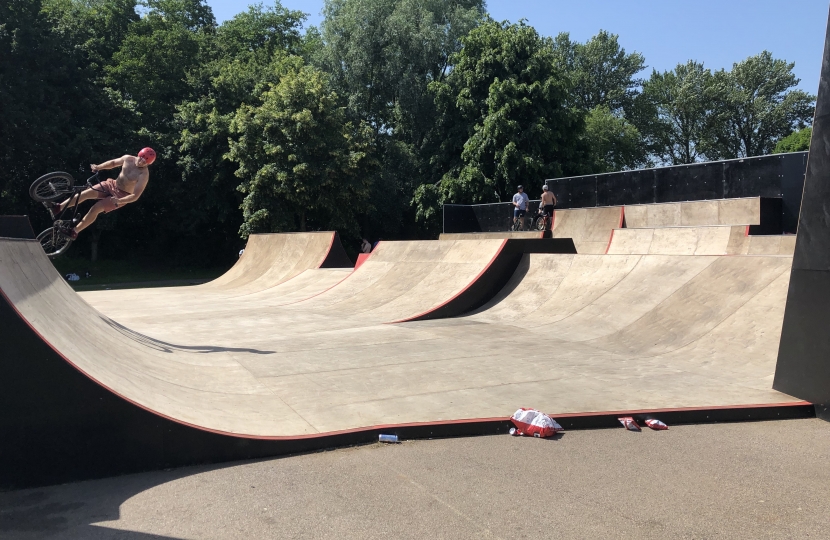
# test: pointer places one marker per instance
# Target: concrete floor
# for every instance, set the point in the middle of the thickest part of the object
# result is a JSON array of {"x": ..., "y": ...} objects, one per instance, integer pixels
[{"x": 751, "y": 480}]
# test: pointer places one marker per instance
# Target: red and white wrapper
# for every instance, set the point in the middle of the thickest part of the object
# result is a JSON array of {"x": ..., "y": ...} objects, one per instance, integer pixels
[
  {"x": 629, "y": 423},
  {"x": 656, "y": 424},
  {"x": 534, "y": 423}
]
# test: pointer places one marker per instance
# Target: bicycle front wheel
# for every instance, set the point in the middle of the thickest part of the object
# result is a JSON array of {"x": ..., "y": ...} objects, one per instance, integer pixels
[
  {"x": 51, "y": 187},
  {"x": 539, "y": 223},
  {"x": 54, "y": 242}
]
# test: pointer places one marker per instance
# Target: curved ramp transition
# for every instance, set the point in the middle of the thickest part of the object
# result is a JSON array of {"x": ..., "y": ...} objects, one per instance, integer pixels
[{"x": 86, "y": 393}]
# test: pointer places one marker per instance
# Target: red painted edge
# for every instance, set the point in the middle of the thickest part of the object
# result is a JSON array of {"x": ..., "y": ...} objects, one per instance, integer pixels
[
  {"x": 619, "y": 226},
  {"x": 331, "y": 243},
  {"x": 339, "y": 282},
  {"x": 376, "y": 426},
  {"x": 681, "y": 409},
  {"x": 456, "y": 295},
  {"x": 361, "y": 258},
  {"x": 746, "y": 232}
]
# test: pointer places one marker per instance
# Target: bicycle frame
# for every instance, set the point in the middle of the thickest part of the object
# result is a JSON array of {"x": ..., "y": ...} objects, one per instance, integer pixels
[{"x": 76, "y": 194}]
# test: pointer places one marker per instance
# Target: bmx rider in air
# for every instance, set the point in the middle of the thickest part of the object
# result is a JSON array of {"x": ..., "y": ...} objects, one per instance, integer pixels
[{"x": 112, "y": 194}]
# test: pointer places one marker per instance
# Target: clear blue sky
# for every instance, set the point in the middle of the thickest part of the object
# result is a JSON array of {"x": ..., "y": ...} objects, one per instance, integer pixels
[{"x": 667, "y": 32}]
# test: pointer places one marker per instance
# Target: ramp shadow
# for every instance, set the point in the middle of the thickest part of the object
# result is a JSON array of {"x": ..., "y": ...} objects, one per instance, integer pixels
[{"x": 164, "y": 346}]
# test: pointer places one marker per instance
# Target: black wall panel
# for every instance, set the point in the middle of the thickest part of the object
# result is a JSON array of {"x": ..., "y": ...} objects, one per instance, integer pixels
[
  {"x": 624, "y": 186},
  {"x": 459, "y": 218},
  {"x": 803, "y": 368},
  {"x": 688, "y": 183},
  {"x": 777, "y": 176}
]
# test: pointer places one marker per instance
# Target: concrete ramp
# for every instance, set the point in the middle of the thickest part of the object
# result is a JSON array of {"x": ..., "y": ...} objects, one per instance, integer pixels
[
  {"x": 271, "y": 259},
  {"x": 590, "y": 228},
  {"x": 275, "y": 269},
  {"x": 719, "y": 240},
  {"x": 420, "y": 280},
  {"x": 743, "y": 211},
  {"x": 493, "y": 235},
  {"x": 86, "y": 393},
  {"x": 648, "y": 304}
]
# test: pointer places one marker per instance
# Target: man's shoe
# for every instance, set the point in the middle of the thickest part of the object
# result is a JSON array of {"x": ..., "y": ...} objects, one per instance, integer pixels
[
  {"x": 53, "y": 208},
  {"x": 70, "y": 233}
]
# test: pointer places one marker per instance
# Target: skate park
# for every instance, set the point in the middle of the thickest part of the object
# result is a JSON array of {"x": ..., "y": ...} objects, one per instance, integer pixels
[
  {"x": 668, "y": 308},
  {"x": 705, "y": 313}
]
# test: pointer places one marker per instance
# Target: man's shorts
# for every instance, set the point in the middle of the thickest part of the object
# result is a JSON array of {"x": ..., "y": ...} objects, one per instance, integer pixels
[
  {"x": 549, "y": 209},
  {"x": 518, "y": 213},
  {"x": 109, "y": 189}
]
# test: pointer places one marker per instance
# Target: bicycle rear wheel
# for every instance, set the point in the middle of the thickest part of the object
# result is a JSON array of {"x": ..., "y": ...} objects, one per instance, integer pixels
[
  {"x": 54, "y": 242},
  {"x": 51, "y": 186},
  {"x": 539, "y": 223}
]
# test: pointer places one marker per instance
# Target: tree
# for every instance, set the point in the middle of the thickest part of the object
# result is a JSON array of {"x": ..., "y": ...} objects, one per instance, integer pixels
[
  {"x": 754, "y": 106},
  {"x": 797, "y": 141},
  {"x": 615, "y": 143},
  {"x": 300, "y": 160},
  {"x": 382, "y": 55},
  {"x": 507, "y": 103},
  {"x": 240, "y": 57},
  {"x": 604, "y": 87},
  {"x": 601, "y": 71},
  {"x": 54, "y": 110},
  {"x": 150, "y": 67},
  {"x": 673, "y": 113}
]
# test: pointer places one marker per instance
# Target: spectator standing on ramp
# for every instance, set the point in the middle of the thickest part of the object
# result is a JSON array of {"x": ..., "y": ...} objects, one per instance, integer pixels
[
  {"x": 520, "y": 200},
  {"x": 548, "y": 203}
]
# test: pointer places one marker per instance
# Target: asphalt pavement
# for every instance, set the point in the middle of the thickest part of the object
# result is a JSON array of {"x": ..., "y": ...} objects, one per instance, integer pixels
[{"x": 748, "y": 480}]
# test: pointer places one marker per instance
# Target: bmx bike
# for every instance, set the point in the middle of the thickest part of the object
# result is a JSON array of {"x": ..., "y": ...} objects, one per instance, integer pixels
[
  {"x": 50, "y": 188},
  {"x": 541, "y": 221}
]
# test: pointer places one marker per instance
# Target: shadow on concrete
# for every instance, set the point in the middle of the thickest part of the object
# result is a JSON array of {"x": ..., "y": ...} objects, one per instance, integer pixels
[
  {"x": 163, "y": 346},
  {"x": 76, "y": 510}
]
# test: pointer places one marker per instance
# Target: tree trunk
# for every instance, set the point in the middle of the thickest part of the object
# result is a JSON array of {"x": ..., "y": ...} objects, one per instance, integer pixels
[{"x": 302, "y": 220}]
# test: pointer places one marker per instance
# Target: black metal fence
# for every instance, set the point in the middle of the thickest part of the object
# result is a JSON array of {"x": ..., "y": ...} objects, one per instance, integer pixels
[
  {"x": 493, "y": 217},
  {"x": 778, "y": 175}
]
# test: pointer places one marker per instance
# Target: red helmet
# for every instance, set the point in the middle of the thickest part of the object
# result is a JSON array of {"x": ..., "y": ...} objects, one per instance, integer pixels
[{"x": 148, "y": 154}]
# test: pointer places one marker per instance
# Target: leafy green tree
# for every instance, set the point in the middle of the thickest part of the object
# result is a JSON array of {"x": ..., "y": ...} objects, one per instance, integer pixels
[
  {"x": 96, "y": 28},
  {"x": 509, "y": 102},
  {"x": 382, "y": 55},
  {"x": 241, "y": 56},
  {"x": 754, "y": 106},
  {"x": 673, "y": 113},
  {"x": 53, "y": 111},
  {"x": 603, "y": 74},
  {"x": 797, "y": 141},
  {"x": 604, "y": 87},
  {"x": 616, "y": 144},
  {"x": 150, "y": 67},
  {"x": 300, "y": 160}
]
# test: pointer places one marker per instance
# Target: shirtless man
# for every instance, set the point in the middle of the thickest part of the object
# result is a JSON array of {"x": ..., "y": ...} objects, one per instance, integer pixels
[
  {"x": 112, "y": 194},
  {"x": 548, "y": 202}
]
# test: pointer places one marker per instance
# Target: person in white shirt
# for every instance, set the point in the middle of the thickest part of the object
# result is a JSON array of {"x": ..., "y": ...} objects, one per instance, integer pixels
[{"x": 520, "y": 201}]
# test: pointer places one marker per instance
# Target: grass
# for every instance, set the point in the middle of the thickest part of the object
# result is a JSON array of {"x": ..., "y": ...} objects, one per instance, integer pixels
[{"x": 131, "y": 274}]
